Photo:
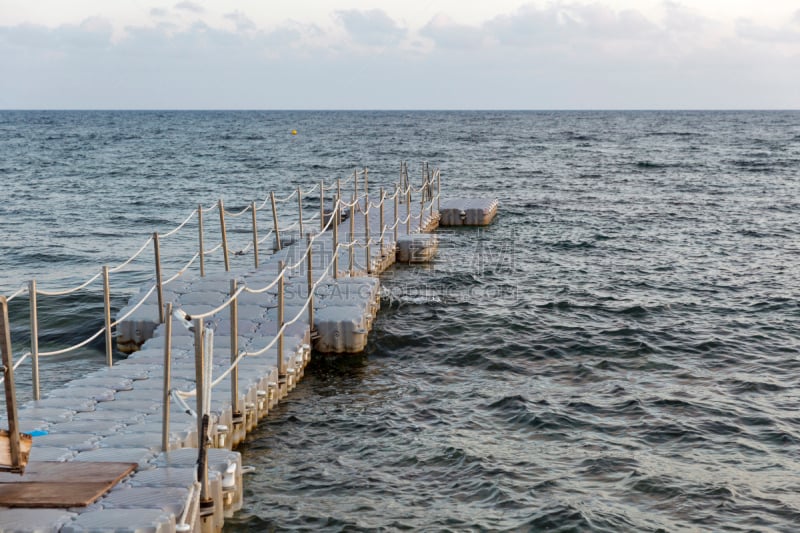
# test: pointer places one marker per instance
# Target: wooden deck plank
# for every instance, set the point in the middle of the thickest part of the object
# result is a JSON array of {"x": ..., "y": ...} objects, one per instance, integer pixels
[{"x": 54, "y": 484}]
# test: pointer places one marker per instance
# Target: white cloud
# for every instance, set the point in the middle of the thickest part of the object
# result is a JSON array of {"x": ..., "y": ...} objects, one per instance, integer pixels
[
  {"x": 241, "y": 21},
  {"x": 192, "y": 7},
  {"x": 372, "y": 27},
  {"x": 446, "y": 33},
  {"x": 536, "y": 55},
  {"x": 749, "y": 30}
]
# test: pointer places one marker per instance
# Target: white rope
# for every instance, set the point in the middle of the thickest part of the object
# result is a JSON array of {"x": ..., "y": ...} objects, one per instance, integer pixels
[
  {"x": 309, "y": 191},
  {"x": 401, "y": 221},
  {"x": 240, "y": 213},
  {"x": 16, "y": 365},
  {"x": 181, "y": 271},
  {"x": 242, "y": 251},
  {"x": 210, "y": 209},
  {"x": 135, "y": 307},
  {"x": 280, "y": 200},
  {"x": 189, "y": 498},
  {"x": 268, "y": 287},
  {"x": 212, "y": 250},
  {"x": 76, "y": 346},
  {"x": 179, "y": 396},
  {"x": 290, "y": 226},
  {"x": 244, "y": 353},
  {"x": 263, "y": 204},
  {"x": 131, "y": 258},
  {"x": 220, "y": 307},
  {"x": 396, "y": 192},
  {"x": 180, "y": 226},
  {"x": 69, "y": 291},
  {"x": 21, "y": 290},
  {"x": 265, "y": 237}
]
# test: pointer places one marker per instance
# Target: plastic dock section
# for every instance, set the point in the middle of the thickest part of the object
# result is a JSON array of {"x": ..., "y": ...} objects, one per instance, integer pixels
[{"x": 211, "y": 355}]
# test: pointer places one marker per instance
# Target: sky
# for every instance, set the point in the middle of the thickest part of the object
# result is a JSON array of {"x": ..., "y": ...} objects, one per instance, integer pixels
[{"x": 426, "y": 54}]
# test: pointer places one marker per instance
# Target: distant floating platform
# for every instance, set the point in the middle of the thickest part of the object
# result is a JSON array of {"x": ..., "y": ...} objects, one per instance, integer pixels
[{"x": 467, "y": 212}]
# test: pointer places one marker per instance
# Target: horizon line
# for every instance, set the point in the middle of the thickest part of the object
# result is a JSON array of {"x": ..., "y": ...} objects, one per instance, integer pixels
[{"x": 384, "y": 110}]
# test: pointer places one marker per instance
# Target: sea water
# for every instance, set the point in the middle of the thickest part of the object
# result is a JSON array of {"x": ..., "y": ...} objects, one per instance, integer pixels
[{"x": 618, "y": 351}]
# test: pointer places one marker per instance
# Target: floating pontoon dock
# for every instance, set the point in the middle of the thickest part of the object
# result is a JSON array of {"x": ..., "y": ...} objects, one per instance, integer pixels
[{"x": 210, "y": 354}]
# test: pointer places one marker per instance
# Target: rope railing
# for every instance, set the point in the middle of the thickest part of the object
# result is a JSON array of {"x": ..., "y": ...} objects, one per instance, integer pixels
[
  {"x": 182, "y": 271},
  {"x": 244, "y": 288},
  {"x": 220, "y": 307},
  {"x": 134, "y": 256},
  {"x": 20, "y": 291},
  {"x": 333, "y": 219},
  {"x": 238, "y": 213},
  {"x": 212, "y": 250},
  {"x": 213, "y": 207},
  {"x": 244, "y": 353},
  {"x": 203, "y": 340},
  {"x": 286, "y": 198},
  {"x": 74, "y": 346},
  {"x": 70, "y": 291},
  {"x": 16, "y": 365},
  {"x": 132, "y": 310},
  {"x": 180, "y": 226},
  {"x": 309, "y": 191}
]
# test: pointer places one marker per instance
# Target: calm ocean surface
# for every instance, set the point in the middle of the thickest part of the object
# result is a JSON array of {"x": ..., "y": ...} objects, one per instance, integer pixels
[{"x": 617, "y": 352}]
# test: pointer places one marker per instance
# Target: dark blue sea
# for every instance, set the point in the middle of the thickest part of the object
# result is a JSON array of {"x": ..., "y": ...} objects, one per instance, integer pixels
[{"x": 619, "y": 351}]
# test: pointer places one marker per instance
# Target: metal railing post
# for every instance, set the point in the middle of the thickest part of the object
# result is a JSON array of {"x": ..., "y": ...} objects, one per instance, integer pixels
[
  {"x": 336, "y": 239},
  {"x": 200, "y": 236},
  {"x": 366, "y": 242},
  {"x": 353, "y": 235},
  {"x": 235, "y": 349},
  {"x": 107, "y": 316},
  {"x": 310, "y": 281},
  {"x": 423, "y": 185},
  {"x": 202, "y": 421},
  {"x": 396, "y": 213},
  {"x": 10, "y": 389},
  {"x": 224, "y": 236},
  {"x": 355, "y": 191},
  {"x": 382, "y": 221},
  {"x": 366, "y": 185},
  {"x": 255, "y": 235},
  {"x": 167, "y": 380},
  {"x": 300, "y": 208},
  {"x": 338, "y": 197},
  {"x": 281, "y": 362},
  {"x": 421, "y": 208},
  {"x": 34, "y": 339},
  {"x": 439, "y": 191},
  {"x": 321, "y": 205},
  {"x": 408, "y": 211},
  {"x": 430, "y": 195},
  {"x": 159, "y": 283},
  {"x": 278, "y": 244}
]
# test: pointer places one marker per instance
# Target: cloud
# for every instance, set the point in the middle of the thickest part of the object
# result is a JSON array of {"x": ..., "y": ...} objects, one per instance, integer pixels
[
  {"x": 562, "y": 23},
  {"x": 241, "y": 21},
  {"x": 190, "y": 6},
  {"x": 562, "y": 54},
  {"x": 751, "y": 31},
  {"x": 93, "y": 32},
  {"x": 373, "y": 27},
  {"x": 158, "y": 12},
  {"x": 448, "y": 34},
  {"x": 679, "y": 18}
]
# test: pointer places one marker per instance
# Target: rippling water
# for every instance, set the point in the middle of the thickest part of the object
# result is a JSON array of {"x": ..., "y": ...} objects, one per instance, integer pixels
[{"x": 617, "y": 352}]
